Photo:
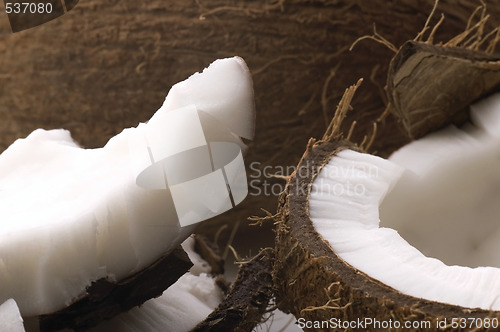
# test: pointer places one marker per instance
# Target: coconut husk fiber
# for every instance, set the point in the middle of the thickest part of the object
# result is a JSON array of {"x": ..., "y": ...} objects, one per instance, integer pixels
[{"x": 108, "y": 64}]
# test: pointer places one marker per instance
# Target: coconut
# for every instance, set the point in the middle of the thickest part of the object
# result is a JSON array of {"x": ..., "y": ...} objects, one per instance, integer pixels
[{"x": 339, "y": 264}]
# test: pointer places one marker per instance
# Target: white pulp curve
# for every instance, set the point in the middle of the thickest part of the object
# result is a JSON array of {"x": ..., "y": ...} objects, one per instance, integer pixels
[
  {"x": 348, "y": 192},
  {"x": 69, "y": 216}
]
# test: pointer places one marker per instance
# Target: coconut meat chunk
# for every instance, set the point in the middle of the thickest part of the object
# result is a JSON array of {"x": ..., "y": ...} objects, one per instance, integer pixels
[
  {"x": 10, "y": 318},
  {"x": 70, "y": 216},
  {"x": 441, "y": 193}
]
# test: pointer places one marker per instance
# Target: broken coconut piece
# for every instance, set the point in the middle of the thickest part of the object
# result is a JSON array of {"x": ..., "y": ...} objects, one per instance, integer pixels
[
  {"x": 183, "y": 305},
  {"x": 334, "y": 259},
  {"x": 71, "y": 216},
  {"x": 10, "y": 318}
]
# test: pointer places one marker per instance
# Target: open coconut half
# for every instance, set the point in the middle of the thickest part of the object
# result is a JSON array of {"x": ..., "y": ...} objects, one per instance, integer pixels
[
  {"x": 429, "y": 190},
  {"x": 72, "y": 216},
  {"x": 341, "y": 263}
]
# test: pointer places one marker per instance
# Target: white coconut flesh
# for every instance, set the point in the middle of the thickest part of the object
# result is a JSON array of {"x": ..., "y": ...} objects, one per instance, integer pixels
[
  {"x": 441, "y": 192},
  {"x": 10, "y": 317},
  {"x": 69, "y": 216}
]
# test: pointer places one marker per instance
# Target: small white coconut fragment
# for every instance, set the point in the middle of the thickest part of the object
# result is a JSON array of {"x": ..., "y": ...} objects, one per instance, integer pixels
[
  {"x": 10, "y": 318},
  {"x": 69, "y": 216},
  {"x": 444, "y": 189}
]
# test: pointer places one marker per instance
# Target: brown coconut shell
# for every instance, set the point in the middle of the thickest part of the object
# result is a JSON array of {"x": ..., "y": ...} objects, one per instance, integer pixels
[{"x": 314, "y": 284}]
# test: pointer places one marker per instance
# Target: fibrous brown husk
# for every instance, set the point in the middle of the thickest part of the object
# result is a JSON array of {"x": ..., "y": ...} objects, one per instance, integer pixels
[
  {"x": 247, "y": 300},
  {"x": 428, "y": 85}
]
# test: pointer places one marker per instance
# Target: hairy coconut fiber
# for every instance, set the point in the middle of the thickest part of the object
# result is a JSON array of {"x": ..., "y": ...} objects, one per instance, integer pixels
[
  {"x": 311, "y": 281},
  {"x": 107, "y": 65},
  {"x": 248, "y": 299}
]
